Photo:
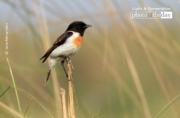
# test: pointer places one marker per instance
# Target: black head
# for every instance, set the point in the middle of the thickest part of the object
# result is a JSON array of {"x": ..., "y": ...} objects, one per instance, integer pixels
[{"x": 78, "y": 26}]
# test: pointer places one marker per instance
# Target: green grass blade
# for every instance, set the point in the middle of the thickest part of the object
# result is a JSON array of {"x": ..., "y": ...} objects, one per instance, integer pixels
[
  {"x": 14, "y": 84},
  {"x": 167, "y": 106},
  {"x": 5, "y": 91},
  {"x": 34, "y": 98}
]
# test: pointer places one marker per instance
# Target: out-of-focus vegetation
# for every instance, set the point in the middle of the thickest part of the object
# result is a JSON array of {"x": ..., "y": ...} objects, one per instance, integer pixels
[{"x": 126, "y": 68}]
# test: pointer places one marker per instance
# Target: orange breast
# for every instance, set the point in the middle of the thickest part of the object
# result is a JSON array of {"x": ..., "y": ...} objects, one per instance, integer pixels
[{"x": 78, "y": 41}]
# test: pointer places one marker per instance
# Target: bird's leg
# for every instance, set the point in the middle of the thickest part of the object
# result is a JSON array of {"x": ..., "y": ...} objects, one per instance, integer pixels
[
  {"x": 71, "y": 64},
  {"x": 62, "y": 63}
]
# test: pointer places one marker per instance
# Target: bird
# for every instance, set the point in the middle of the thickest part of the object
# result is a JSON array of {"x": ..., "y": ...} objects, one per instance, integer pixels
[{"x": 65, "y": 46}]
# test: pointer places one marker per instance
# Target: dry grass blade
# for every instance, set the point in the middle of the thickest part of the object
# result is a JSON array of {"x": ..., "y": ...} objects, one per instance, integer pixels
[
  {"x": 36, "y": 100},
  {"x": 136, "y": 80},
  {"x": 30, "y": 104},
  {"x": 11, "y": 110},
  {"x": 132, "y": 69},
  {"x": 150, "y": 59},
  {"x": 114, "y": 26},
  {"x": 43, "y": 27}
]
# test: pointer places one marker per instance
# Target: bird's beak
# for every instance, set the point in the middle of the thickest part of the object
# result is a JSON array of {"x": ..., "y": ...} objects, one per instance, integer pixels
[{"x": 87, "y": 26}]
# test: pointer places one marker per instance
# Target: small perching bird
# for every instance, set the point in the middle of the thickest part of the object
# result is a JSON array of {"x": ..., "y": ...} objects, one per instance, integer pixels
[{"x": 65, "y": 46}]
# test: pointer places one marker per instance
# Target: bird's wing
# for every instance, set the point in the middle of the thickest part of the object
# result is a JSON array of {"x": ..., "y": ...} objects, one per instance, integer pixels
[{"x": 60, "y": 40}]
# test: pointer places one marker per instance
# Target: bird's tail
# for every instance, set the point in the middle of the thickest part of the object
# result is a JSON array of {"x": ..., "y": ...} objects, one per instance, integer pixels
[
  {"x": 47, "y": 78},
  {"x": 51, "y": 66}
]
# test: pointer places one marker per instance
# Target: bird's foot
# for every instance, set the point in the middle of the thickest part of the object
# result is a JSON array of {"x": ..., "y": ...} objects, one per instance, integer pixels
[{"x": 71, "y": 80}]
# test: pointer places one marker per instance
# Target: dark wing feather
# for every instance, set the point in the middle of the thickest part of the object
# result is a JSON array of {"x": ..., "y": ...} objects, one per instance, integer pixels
[{"x": 60, "y": 40}]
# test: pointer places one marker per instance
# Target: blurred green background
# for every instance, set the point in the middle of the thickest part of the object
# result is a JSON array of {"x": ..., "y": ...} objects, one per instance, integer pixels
[{"x": 126, "y": 68}]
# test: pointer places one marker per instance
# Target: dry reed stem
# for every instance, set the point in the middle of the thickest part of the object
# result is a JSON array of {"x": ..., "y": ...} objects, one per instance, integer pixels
[
  {"x": 136, "y": 80},
  {"x": 114, "y": 24},
  {"x": 63, "y": 100},
  {"x": 131, "y": 67},
  {"x": 153, "y": 65},
  {"x": 70, "y": 83},
  {"x": 11, "y": 110},
  {"x": 117, "y": 77},
  {"x": 151, "y": 48},
  {"x": 43, "y": 27}
]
